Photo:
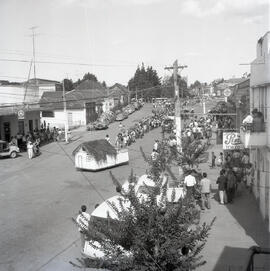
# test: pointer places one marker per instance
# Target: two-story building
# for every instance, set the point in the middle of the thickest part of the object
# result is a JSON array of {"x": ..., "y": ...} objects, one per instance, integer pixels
[{"x": 259, "y": 142}]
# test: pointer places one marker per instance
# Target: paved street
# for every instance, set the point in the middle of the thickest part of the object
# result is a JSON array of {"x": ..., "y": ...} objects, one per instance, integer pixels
[{"x": 39, "y": 197}]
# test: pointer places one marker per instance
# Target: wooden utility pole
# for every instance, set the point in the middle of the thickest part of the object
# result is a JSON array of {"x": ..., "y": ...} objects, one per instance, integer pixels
[
  {"x": 175, "y": 68},
  {"x": 65, "y": 112},
  {"x": 34, "y": 50}
]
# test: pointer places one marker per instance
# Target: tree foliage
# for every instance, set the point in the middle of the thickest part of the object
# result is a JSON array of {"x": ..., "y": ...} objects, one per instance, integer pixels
[
  {"x": 148, "y": 235},
  {"x": 168, "y": 87},
  {"x": 68, "y": 83},
  {"x": 145, "y": 79}
]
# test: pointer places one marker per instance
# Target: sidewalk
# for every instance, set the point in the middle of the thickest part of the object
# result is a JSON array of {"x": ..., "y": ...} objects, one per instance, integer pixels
[{"x": 238, "y": 226}]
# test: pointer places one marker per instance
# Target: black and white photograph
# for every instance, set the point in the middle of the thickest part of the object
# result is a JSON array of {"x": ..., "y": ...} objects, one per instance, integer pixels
[{"x": 135, "y": 135}]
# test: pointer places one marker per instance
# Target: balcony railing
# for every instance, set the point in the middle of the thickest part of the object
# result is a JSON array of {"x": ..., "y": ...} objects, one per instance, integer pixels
[
  {"x": 255, "y": 250},
  {"x": 254, "y": 135}
]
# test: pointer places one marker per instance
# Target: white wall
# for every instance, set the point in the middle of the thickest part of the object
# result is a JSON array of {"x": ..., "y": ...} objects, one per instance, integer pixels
[
  {"x": 107, "y": 104},
  {"x": 260, "y": 75},
  {"x": 76, "y": 117}
]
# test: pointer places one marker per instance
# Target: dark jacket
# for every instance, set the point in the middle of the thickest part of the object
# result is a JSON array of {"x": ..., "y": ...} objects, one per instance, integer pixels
[{"x": 222, "y": 183}]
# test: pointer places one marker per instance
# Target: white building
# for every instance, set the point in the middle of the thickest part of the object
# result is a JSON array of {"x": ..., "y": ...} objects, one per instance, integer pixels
[
  {"x": 23, "y": 99},
  {"x": 259, "y": 142}
]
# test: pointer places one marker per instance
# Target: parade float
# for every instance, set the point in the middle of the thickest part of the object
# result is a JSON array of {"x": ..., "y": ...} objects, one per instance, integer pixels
[
  {"x": 144, "y": 185},
  {"x": 99, "y": 154}
]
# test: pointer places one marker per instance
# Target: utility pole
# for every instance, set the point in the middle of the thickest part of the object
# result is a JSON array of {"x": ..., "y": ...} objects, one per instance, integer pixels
[
  {"x": 128, "y": 95},
  {"x": 34, "y": 50},
  {"x": 175, "y": 68},
  {"x": 65, "y": 112},
  {"x": 203, "y": 102}
]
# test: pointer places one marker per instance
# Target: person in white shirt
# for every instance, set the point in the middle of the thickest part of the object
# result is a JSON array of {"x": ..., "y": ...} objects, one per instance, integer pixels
[
  {"x": 82, "y": 221},
  {"x": 154, "y": 155},
  {"x": 108, "y": 138},
  {"x": 190, "y": 183},
  {"x": 248, "y": 119},
  {"x": 156, "y": 145}
]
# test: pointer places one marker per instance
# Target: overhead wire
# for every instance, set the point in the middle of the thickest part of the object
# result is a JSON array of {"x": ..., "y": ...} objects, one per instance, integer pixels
[{"x": 66, "y": 63}]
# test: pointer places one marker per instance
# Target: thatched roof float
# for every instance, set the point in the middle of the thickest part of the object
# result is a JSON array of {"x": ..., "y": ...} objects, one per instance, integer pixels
[{"x": 99, "y": 149}]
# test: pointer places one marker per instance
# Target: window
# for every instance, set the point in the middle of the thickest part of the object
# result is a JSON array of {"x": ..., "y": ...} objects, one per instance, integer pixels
[
  {"x": 36, "y": 124},
  {"x": 47, "y": 114}
]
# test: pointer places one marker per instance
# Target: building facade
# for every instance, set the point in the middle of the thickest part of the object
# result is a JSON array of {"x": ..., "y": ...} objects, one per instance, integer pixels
[{"x": 259, "y": 142}]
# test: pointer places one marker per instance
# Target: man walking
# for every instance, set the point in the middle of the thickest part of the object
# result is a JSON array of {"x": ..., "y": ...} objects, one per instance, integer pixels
[
  {"x": 222, "y": 184},
  {"x": 205, "y": 191},
  {"x": 190, "y": 183},
  {"x": 82, "y": 221}
]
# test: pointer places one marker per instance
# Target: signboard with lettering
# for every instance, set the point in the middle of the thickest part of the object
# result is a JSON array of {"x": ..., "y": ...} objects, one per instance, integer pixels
[{"x": 231, "y": 141}]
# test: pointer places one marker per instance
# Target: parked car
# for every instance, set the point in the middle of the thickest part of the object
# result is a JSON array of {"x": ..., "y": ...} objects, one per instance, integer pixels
[
  {"x": 167, "y": 125},
  {"x": 8, "y": 150},
  {"x": 125, "y": 114},
  {"x": 101, "y": 125},
  {"x": 120, "y": 117}
]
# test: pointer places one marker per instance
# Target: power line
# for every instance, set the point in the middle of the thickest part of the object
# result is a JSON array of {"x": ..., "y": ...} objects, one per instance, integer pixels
[{"x": 67, "y": 63}]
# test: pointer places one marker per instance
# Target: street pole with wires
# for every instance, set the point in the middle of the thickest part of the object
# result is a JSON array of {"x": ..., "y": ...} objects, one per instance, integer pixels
[
  {"x": 178, "y": 127},
  {"x": 65, "y": 112},
  {"x": 34, "y": 50}
]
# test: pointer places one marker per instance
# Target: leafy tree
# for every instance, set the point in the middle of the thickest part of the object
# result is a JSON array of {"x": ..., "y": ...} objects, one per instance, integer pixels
[
  {"x": 90, "y": 76},
  {"x": 196, "y": 84},
  {"x": 150, "y": 235},
  {"x": 68, "y": 84},
  {"x": 104, "y": 84},
  {"x": 145, "y": 79},
  {"x": 168, "y": 87},
  {"x": 193, "y": 153}
]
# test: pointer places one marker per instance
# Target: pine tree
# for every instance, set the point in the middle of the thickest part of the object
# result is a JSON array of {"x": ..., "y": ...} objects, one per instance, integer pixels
[{"x": 148, "y": 235}]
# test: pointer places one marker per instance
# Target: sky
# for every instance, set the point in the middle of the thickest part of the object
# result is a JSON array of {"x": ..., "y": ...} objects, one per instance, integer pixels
[{"x": 110, "y": 38}]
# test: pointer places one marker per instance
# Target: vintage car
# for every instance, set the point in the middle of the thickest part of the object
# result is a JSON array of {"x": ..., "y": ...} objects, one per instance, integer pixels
[
  {"x": 120, "y": 117},
  {"x": 101, "y": 125},
  {"x": 167, "y": 125},
  {"x": 8, "y": 150}
]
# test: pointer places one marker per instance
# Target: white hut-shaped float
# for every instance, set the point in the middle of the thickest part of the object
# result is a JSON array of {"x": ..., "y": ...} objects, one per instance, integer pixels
[{"x": 99, "y": 154}]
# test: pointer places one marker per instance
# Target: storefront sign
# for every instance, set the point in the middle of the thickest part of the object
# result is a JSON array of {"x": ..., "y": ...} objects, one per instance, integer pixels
[
  {"x": 21, "y": 114},
  {"x": 231, "y": 141}
]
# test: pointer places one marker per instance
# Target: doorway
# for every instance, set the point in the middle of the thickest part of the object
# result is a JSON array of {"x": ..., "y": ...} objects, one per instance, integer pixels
[
  {"x": 21, "y": 127},
  {"x": 31, "y": 126},
  {"x": 7, "y": 134}
]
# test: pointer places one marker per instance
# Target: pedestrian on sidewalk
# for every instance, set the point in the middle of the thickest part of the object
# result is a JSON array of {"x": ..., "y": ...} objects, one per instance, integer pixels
[
  {"x": 222, "y": 182},
  {"x": 213, "y": 160},
  {"x": 190, "y": 183},
  {"x": 205, "y": 191},
  {"x": 82, "y": 221},
  {"x": 30, "y": 147},
  {"x": 231, "y": 184}
]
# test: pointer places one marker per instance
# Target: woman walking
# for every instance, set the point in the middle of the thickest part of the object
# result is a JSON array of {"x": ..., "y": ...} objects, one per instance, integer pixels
[{"x": 30, "y": 147}]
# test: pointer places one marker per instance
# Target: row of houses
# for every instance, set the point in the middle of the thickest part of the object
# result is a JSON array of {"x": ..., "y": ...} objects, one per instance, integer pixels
[
  {"x": 24, "y": 107},
  {"x": 259, "y": 142},
  {"x": 248, "y": 93}
]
